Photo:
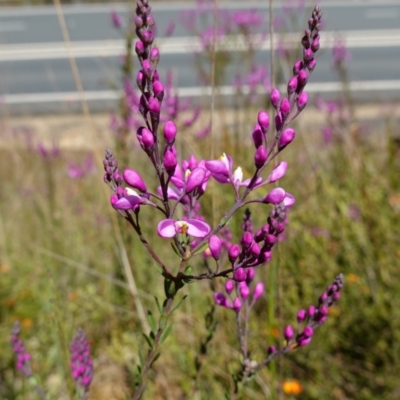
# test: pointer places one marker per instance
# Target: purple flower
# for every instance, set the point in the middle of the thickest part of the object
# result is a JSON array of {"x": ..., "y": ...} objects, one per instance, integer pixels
[
  {"x": 168, "y": 228},
  {"x": 23, "y": 357},
  {"x": 214, "y": 244},
  {"x": 278, "y": 172},
  {"x": 130, "y": 200},
  {"x": 275, "y": 196},
  {"x": 81, "y": 363},
  {"x": 258, "y": 290},
  {"x": 116, "y": 19},
  {"x": 133, "y": 179}
]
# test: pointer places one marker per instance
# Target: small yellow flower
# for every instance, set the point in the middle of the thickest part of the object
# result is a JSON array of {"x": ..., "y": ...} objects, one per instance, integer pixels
[
  {"x": 4, "y": 268},
  {"x": 292, "y": 386},
  {"x": 72, "y": 296},
  {"x": 275, "y": 332},
  {"x": 353, "y": 278},
  {"x": 26, "y": 323}
]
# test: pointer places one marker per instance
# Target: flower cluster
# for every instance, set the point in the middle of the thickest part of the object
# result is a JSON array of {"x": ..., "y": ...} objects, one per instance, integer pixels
[
  {"x": 308, "y": 320},
  {"x": 183, "y": 184},
  {"x": 81, "y": 363},
  {"x": 23, "y": 357}
]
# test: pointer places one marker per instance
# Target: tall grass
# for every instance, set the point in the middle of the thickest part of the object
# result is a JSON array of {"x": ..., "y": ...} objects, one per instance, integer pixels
[{"x": 60, "y": 261}]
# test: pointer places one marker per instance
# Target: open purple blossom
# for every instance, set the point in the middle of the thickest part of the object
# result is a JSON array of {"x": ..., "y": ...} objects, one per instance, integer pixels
[{"x": 192, "y": 227}]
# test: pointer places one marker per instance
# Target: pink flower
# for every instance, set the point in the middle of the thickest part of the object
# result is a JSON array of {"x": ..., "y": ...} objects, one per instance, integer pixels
[
  {"x": 129, "y": 201},
  {"x": 168, "y": 228}
]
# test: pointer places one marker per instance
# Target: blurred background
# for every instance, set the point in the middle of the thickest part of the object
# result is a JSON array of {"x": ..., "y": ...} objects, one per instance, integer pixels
[{"x": 68, "y": 91}]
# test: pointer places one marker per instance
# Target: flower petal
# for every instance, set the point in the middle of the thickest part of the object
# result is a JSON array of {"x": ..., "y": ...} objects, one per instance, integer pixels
[
  {"x": 275, "y": 196},
  {"x": 166, "y": 228},
  {"x": 289, "y": 200},
  {"x": 197, "y": 228},
  {"x": 217, "y": 167}
]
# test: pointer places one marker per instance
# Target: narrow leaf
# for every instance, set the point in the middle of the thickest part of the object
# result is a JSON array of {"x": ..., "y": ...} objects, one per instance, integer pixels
[
  {"x": 152, "y": 321},
  {"x": 166, "y": 333},
  {"x": 179, "y": 303}
]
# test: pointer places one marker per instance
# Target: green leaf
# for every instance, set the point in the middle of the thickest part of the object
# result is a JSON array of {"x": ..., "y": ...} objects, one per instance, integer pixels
[
  {"x": 169, "y": 288},
  {"x": 176, "y": 250},
  {"x": 152, "y": 321},
  {"x": 158, "y": 268},
  {"x": 141, "y": 360},
  {"x": 148, "y": 340},
  {"x": 163, "y": 321},
  {"x": 166, "y": 333},
  {"x": 161, "y": 309},
  {"x": 179, "y": 303}
]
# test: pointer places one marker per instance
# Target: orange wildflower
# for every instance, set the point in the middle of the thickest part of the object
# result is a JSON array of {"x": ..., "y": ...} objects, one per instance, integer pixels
[
  {"x": 292, "y": 386},
  {"x": 353, "y": 278}
]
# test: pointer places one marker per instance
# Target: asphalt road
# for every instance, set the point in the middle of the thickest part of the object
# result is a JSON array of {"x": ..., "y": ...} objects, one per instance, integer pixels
[{"x": 35, "y": 73}]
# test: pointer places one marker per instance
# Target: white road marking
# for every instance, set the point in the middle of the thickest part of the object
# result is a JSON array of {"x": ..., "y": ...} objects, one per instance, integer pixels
[
  {"x": 178, "y": 6},
  {"x": 312, "y": 87},
  {"x": 182, "y": 45}
]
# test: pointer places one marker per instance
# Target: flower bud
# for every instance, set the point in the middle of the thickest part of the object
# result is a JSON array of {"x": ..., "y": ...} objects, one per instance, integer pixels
[
  {"x": 308, "y": 54},
  {"x": 220, "y": 299},
  {"x": 170, "y": 132},
  {"x": 311, "y": 311},
  {"x": 147, "y": 37},
  {"x": 214, "y": 244},
  {"x": 323, "y": 311},
  {"x": 246, "y": 240},
  {"x": 260, "y": 156},
  {"x": 239, "y": 275},
  {"x": 154, "y": 55},
  {"x": 275, "y": 97},
  {"x": 258, "y": 137},
  {"x": 278, "y": 121},
  {"x": 298, "y": 65},
  {"x": 250, "y": 273},
  {"x": 315, "y": 45},
  {"x": 134, "y": 180},
  {"x": 288, "y": 333},
  {"x": 304, "y": 342},
  {"x": 244, "y": 290},
  {"x": 158, "y": 89},
  {"x": 285, "y": 107},
  {"x": 255, "y": 250},
  {"x": 140, "y": 80},
  {"x": 323, "y": 298},
  {"x": 154, "y": 105},
  {"x": 302, "y": 101},
  {"x": 302, "y": 79},
  {"x": 195, "y": 179},
  {"x": 229, "y": 286},
  {"x": 271, "y": 350},
  {"x": 292, "y": 85},
  {"x": 301, "y": 315},
  {"x": 263, "y": 121},
  {"x": 147, "y": 138},
  {"x": 308, "y": 331},
  {"x": 275, "y": 196},
  {"x": 311, "y": 64},
  {"x": 233, "y": 253},
  {"x": 237, "y": 304},
  {"x": 258, "y": 290},
  {"x": 286, "y": 138},
  {"x": 138, "y": 22},
  {"x": 170, "y": 162},
  {"x": 139, "y": 47}
]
